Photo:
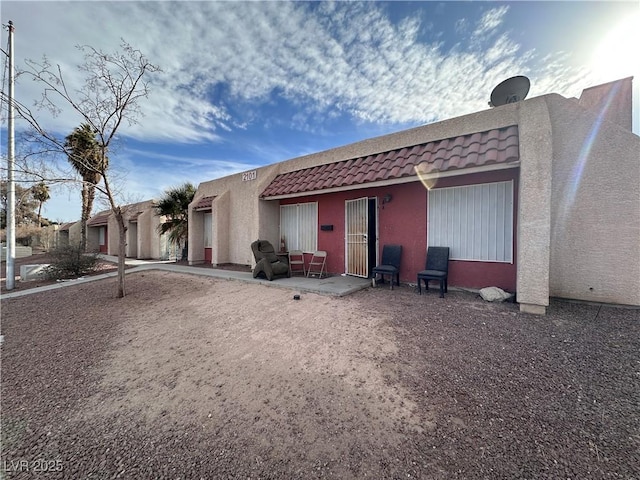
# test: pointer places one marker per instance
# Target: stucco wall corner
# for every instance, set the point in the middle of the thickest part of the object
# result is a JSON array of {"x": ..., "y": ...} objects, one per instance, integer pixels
[
  {"x": 221, "y": 235},
  {"x": 269, "y": 228},
  {"x": 144, "y": 225},
  {"x": 533, "y": 309},
  {"x": 195, "y": 247},
  {"x": 534, "y": 222},
  {"x": 152, "y": 232},
  {"x": 595, "y": 221},
  {"x": 75, "y": 233}
]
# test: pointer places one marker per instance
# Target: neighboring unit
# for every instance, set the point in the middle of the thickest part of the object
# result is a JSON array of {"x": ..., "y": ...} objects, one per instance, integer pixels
[{"x": 144, "y": 240}]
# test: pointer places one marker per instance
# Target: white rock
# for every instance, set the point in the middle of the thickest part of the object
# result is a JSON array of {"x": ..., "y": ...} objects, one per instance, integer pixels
[{"x": 494, "y": 294}]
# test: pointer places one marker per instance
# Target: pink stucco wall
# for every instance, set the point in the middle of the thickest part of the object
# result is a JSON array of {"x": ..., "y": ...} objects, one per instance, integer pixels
[{"x": 403, "y": 221}]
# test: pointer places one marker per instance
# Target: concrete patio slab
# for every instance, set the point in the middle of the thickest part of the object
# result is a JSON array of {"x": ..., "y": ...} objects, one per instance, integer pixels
[{"x": 335, "y": 286}]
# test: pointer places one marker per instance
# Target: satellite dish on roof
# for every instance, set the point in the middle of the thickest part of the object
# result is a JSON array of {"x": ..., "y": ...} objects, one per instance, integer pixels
[{"x": 511, "y": 90}]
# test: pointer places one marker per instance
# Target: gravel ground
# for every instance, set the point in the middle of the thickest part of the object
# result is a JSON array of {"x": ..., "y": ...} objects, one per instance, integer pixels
[{"x": 190, "y": 377}]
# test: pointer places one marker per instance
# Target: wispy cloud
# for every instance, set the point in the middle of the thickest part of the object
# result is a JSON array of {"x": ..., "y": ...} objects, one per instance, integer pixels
[
  {"x": 490, "y": 21},
  {"x": 244, "y": 84},
  {"x": 324, "y": 59}
]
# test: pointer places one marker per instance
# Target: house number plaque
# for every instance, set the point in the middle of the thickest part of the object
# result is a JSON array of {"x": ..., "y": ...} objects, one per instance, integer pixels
[{"x": 248, "y": 176}]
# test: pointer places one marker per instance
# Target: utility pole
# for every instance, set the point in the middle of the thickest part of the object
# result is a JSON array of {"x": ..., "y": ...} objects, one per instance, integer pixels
[{"x": 11, "y": 193}]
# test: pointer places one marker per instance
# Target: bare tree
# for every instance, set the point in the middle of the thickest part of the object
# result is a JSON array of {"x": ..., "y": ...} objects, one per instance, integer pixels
[{"x": 113, "y": 86}]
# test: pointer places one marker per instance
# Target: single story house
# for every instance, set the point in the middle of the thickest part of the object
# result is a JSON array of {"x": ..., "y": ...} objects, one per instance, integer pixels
[
  {"x": 144, "y": 241},
  {"x": 539, "y": 197},
  {"x": 67, "y": 234},
  {"x": 98, "y": 231}
]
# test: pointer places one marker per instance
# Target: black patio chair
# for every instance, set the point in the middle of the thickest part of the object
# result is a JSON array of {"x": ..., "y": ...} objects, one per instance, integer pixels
[
  {"x": 390, "y": 265},
  {"x": 268, "y": 264},
  {"x": 436, "y": 268}
]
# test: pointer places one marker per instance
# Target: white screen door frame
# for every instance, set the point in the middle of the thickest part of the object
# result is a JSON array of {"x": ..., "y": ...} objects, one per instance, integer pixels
[{"x": 357, "y": 237}]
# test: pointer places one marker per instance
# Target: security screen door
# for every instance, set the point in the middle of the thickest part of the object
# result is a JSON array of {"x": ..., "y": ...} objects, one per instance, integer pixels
[{"x": 357, "y": 237}]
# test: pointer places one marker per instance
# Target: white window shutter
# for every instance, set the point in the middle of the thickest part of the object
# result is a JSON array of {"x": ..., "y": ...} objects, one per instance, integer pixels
[{"x": 474, "y": 221}]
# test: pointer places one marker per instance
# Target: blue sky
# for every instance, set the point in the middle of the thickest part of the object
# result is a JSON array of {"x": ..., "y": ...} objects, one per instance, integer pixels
[{"x": 248, "y": 84}]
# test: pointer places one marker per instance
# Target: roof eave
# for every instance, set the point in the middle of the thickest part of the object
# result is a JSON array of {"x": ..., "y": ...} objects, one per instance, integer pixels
[{"x": 397, "y": 181}]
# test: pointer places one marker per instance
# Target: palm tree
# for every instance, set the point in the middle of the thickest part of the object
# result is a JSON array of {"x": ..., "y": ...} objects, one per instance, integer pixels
[
  {"x": 40, "y": 193},
  {"x": 88, "y": 159},
  {"x": 174, "y": 206}
]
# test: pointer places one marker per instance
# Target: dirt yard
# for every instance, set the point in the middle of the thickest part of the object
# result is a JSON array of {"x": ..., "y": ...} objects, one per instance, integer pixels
[{"x": 191, "y": 377}]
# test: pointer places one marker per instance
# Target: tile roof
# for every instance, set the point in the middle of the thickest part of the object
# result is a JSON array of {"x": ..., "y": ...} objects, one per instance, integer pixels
[
  {"x": 99, "y": 219},
  {"x": 65, "y": 226},
  {"x": 204, "y": 203},
  {"x": 465, "y": 151}
]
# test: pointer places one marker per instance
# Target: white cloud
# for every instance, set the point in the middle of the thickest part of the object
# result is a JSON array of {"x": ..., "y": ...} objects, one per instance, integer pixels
[
  {"x": 461, "y": 26},
  {"x": 490, "y": 21},
  {"x": 222, "y": 62},
  {"x": 327, "y": 58}
]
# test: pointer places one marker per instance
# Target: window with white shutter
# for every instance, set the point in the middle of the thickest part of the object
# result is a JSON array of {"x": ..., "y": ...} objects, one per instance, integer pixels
[
  {"x": 299, "y": 226},
  {"x": 474, "y": 221}
]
